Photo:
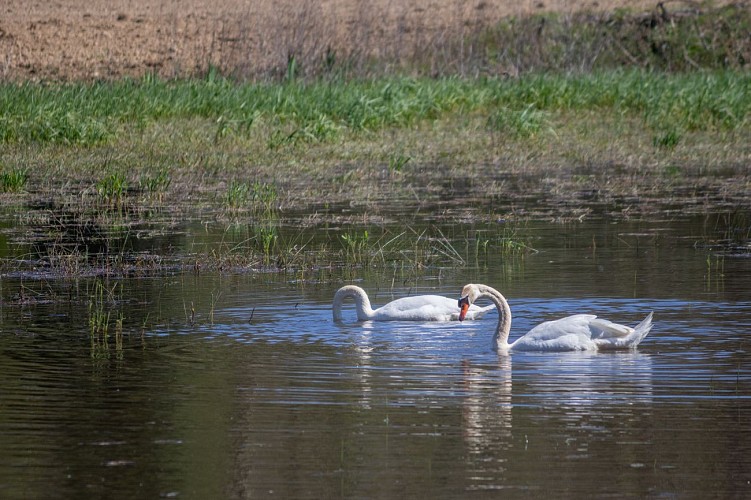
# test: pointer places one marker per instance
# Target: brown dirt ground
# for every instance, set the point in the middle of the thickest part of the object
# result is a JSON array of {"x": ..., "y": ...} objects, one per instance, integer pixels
[{"x": 104, "y": 39}]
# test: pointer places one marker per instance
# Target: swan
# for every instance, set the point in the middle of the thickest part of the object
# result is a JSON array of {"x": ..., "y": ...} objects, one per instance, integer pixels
[
  {"x": 416, "y": 308},
  {"x": 580, "y": 332}
]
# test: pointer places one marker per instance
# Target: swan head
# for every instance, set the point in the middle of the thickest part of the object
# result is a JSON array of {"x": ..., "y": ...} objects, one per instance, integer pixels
[
  {"x": 464, "y": 307},
  {"x": 469, "y": 294}
]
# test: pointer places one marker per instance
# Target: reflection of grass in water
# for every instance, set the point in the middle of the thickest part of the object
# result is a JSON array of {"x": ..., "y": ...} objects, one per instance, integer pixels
[{"x": 714, "y": 279}]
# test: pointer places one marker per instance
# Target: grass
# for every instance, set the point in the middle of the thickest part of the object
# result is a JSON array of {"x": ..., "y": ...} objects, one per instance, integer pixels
[
  {"x": 13, "y": 180},
  {"x": 392, "y": 141},
  {"x": 259, "y": 197},
  {"x": 112, "y": 189},
  {"x": 518, "y": 124},
  {"x": 324, "y": 111},
  {"x": 155, "y": 185},
  {"x": 589, "y": 134},
  {"x": 597, "y": 135}
]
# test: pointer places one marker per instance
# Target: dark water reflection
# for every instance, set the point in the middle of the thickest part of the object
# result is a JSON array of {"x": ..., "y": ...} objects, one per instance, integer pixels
[{"x": 242, "y": 386}]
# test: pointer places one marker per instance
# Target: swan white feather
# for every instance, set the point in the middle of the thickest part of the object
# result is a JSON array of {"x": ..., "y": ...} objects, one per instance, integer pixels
[
  {"x": 415, "y": 308},
  {"x": 580, "y": 332}
]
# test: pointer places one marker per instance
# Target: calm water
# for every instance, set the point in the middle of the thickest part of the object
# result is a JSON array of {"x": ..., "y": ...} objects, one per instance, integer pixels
[{"x": 241, "y": 386}]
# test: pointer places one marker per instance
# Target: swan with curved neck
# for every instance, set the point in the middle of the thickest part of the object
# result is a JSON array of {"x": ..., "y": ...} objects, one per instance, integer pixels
[
  {"x": 580, "y": 332},
  {"x": 415, "y": 308}
]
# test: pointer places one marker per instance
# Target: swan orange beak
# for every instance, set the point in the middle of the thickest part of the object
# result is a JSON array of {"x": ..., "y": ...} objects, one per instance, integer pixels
[{"x": 464, "y": 306}]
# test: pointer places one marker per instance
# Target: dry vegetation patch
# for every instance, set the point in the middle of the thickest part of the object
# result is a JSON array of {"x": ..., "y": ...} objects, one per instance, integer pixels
[{"x": 99, "y": 39}]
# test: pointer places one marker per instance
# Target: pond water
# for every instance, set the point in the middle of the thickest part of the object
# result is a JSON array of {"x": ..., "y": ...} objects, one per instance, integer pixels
[{"x": 238, "y": 385}]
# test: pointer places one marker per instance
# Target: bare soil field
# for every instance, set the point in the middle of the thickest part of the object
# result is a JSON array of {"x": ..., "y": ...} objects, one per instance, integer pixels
[{"x": 109, "y": 39}]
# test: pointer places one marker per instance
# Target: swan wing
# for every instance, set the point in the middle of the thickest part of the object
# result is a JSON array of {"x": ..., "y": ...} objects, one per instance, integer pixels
[
  {"x": 583, "y": 332},
  {"x": 631, "y": 340},
  {"x": 602, "y": 328},
  {"x": 419, "y": 308},
  {"x": 572, "y": 333}
]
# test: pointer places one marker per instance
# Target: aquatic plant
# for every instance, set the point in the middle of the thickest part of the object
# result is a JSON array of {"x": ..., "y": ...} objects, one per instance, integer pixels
[
  {"x": 237, "y": 195},
  {"x": 13, "y": 180},
  {"x": 259, "y": 197},
  {"x": 155, "y": 185},
  {"x": 355, "y": 245},
  {"x": 511, "y": 242},
  {"x": 112, "y": 189},
  {"x": 99, "y": 322},
  {"x": 265, "y": 239},
  {"x": 263, "y": 196}
]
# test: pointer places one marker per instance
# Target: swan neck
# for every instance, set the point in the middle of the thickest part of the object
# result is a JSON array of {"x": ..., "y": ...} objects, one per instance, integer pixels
[
  {"x": 362, "y": 302},
  {"x": 503, "y": 329}
]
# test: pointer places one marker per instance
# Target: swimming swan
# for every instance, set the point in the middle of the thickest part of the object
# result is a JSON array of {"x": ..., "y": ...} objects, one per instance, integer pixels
[
  {"x": 417, "y": 308},
  {"x": 581, "y": 332}
]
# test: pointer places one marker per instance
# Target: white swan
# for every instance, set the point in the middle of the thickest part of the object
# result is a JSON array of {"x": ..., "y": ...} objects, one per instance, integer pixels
[
  {"x": 416, "y": 308},
  {"x": 581, "y": 332}
]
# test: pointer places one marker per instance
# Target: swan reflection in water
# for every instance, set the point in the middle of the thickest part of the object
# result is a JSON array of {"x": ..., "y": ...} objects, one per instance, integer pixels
[
  {"x": 508, "y": 408},
  {"x": 486, "y": 414}
]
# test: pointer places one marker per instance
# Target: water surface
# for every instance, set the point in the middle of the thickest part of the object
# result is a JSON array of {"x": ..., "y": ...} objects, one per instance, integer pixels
[{"x": 241, "y": 385}]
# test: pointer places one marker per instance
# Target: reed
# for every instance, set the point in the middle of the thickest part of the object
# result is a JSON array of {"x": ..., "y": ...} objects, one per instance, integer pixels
[{"x": 99, "y": 322}]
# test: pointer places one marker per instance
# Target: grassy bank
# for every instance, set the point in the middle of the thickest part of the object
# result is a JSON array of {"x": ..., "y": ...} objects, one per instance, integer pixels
[
  {"x": 371, "y": 140},
  {"x": 92, "y": 114}
]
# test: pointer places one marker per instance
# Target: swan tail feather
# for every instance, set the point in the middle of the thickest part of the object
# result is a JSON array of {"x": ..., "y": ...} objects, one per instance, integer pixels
[
  {"x": 632, "y": 340},
  {"x": 642, "y": 329}
]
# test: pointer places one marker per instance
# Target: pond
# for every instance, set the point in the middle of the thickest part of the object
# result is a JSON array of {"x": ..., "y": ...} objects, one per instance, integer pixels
[{"x": 212, "y": 383}]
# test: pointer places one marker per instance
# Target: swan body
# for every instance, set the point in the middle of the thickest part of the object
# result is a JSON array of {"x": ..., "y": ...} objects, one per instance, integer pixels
[
  {"x": 580, "y": 332},
  {"x": 416, "y": 308}
]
